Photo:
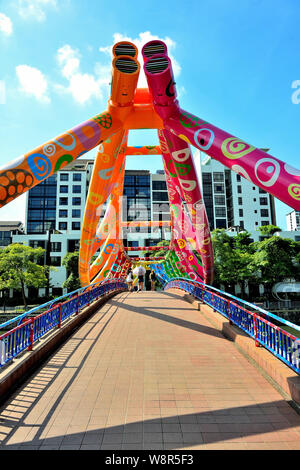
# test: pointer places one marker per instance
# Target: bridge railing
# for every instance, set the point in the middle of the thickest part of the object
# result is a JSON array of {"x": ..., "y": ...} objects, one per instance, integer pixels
[
  {"x": 30, "y": 328},
  {"x": 263, "y": 326}
]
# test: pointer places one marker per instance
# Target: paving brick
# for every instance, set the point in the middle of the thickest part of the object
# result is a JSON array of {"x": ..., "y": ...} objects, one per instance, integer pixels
[{"x": 155, "y": 375}]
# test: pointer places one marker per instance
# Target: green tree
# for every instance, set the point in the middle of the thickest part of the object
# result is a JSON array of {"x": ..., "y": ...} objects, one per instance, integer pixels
[
  {"x": 233, "y": 258},
  {"x": 269, "y": 230},
  {"x": 155, "y": 254},
  {"x": 277, "y": 259},
  {"x": 70, "y": 262},
  {"x": 19, "y": 268}
]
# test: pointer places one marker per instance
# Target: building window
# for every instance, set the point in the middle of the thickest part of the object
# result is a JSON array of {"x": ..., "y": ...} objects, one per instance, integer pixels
[
  {"x": 5, "y": 238},
  {"x": 63, "y": 189},
  {"x": 133, "y": 243},
  {"x": 50, "y": 191},
  {"x": 63, "y": 213},
  {"x": 238, "y": 177},
  {"x": 265, "y": 222},
  {"x": 35, "y": 227},
  {"x": 37, "y": 243},
  {"x": 63, "y": 201},
  {"x": 129, "y": 191},
  {"x": 160, "y": 196},
  {"x": 57, "y": 291},
  {"x": 239, "y": 189},
  {"x": 76, "y": 213},
  {"x": 55, "y": 260},
  {"x": 220, "y": 200},
  {"x": 262, "y": 191},
  {"x": 56, "y": 247},
  {"x": 76, "y": 176},
  {"x": 62, "y": 226},
  {"x": 263, "y": 201},
  {"x": 240, "y": 201},
  {"x": 264, "y": 213},
  {"x": 159, "y": 185},
  {"x": 75, "y": 225},
  {"x": 73, "y": 245},
  {"x": 36, "y": 203},
  {"x": 220, "y": 223},
  {"x": 76, "y": 201},
  {"x": 241, "y": 213},
  {"x": 218, "y": 176},
  {"x": 50, "y": 202},
  {"x": 143, "y": 180},
  {"x": 76, "y": 189},
  {"x": 143, "y": 191},
  {"x": 242, "y": 224},
  {"x": 220, "y": 212},
  {"x": 64, "y": 177},
  {"x": 219, "y": 188}
]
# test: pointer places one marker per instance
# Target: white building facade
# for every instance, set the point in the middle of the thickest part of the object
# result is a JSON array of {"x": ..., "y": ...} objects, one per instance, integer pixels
[
  {"x": 293, "y": 221},
  {"x": 231, "y": 201}
]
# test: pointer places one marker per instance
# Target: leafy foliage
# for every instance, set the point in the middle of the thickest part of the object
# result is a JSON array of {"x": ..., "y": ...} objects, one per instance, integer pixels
[
  {"x": 70, "y": 262},
  {"x": 19, "y": 268},
  {"x": 155, "y": 254},
  {"x": 238, "y": 259}
]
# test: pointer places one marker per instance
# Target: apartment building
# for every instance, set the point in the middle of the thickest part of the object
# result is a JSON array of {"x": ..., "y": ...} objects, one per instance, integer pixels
[
  {"x": 293, "y": 221},
  {"x": 7, "y": 230},
  {"x": 232, "y": 202}
]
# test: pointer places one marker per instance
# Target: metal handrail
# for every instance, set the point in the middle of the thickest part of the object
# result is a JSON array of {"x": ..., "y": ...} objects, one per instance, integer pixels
[
  {"x": 249, "y": 304},
  {"x": 23, "y": 336},
  {"x": 50, "y": 303},
  {"x": 282, "y": 344}
]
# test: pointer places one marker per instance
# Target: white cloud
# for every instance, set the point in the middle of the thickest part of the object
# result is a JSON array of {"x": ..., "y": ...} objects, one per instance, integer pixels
[
  {"x": 35, "y": 8},
  {"x": 82, "y": 86},
  {"x": 33, "y": 82},
  {"x": 140, "y": 41},
  {"x": 6, "y": 26}
]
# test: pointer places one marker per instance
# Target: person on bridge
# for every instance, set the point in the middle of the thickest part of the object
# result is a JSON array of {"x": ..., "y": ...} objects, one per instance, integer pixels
[
  {"x": 152, "y": 279},
  {"x": 141, "y": 276},
  {"x": 129, "y": 280}
]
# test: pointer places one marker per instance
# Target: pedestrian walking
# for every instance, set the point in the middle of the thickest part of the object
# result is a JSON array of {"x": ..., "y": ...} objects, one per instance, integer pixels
[
  {"x": 152, "y": 278},
  {"x": 129, "y": 280}
]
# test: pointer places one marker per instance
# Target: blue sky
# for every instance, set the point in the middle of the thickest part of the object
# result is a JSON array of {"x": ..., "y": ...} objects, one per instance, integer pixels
[{"x": 236, "y": 64}]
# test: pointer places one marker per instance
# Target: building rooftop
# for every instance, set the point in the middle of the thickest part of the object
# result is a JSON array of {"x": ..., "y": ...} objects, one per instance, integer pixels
[
  {"x": 78, "y": 164},
  {"x": 5, "y": 226}
]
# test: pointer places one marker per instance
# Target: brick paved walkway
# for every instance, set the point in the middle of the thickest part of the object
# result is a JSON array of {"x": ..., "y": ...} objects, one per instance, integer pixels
[{"x": 147, "y": 371}]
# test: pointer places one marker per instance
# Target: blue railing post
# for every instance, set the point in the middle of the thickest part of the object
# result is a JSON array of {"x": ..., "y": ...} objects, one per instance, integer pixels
[
  {"x": 229, "y": 312},
  {"x": 31, "y": 334},
  {"x": 77, "y": 304},
  {"x": 255, "y": 330},
  {"x": 59, "y": 317}
]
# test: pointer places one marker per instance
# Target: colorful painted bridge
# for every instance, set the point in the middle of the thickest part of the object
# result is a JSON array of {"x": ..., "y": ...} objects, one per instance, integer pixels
[
  {"x": 145, "y": 370},
  {"x": 102, "y": 254}
]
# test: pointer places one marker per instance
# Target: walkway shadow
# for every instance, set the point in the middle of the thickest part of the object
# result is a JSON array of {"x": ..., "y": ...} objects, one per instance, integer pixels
[
  {"x": 229, "y": 428},
  {"x": 170, "y": 319}
]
